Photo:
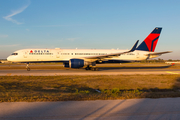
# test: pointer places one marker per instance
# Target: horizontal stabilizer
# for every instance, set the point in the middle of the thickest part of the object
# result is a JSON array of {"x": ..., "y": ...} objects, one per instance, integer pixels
[{"x": 159, "y": 53}]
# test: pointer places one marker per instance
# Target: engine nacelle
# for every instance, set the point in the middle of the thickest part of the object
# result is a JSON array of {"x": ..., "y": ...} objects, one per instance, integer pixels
[{"x": 76, "y": 63}]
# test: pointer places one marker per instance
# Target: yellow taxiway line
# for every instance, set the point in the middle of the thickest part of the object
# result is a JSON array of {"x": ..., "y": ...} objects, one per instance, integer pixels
[{"x": 171, "y": 72}]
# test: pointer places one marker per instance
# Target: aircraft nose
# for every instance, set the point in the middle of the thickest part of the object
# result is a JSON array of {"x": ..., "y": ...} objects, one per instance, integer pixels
[{"x": 9, "y": 58}]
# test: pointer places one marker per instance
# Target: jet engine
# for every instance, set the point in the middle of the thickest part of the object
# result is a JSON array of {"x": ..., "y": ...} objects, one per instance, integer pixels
[
  {"x": 79, "y": 63},
  {"x": 76, "y": 63}
]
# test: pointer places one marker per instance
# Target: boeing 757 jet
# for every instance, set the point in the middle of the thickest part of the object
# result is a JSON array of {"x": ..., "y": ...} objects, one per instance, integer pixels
[{"x": 88, "y": 58}]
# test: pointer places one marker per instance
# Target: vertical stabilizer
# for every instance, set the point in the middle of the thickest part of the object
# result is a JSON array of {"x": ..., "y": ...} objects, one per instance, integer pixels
[{"x": 149, "y": 44}]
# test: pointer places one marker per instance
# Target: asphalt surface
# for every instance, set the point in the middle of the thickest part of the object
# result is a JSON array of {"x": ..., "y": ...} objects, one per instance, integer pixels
[
  {"x": 109, "y": 69},
  {"x": 130, "y": 109},
  {"x": 102, "y": 71}
]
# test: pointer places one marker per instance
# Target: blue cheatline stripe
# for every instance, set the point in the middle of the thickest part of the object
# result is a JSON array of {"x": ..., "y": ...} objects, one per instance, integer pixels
[{"x": 153, "y": 43}]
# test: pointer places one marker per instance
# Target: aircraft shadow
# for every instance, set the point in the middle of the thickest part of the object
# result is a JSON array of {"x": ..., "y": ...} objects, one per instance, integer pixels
[{"x": 143, "y": 67}]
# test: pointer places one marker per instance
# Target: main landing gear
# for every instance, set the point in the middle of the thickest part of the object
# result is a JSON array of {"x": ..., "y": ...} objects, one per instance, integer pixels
[
  {"x": 27, "y": 67},
  {"x": 92, "y": 68}
]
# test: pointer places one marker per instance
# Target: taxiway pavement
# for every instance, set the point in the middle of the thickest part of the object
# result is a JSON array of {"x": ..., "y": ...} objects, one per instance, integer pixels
[
  {"x": 128, "y": 109},
  {"x": 51, "y": 72}
]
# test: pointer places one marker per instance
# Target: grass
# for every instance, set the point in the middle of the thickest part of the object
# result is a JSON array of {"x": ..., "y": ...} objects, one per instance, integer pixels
[{"x": 61, "y": 88}]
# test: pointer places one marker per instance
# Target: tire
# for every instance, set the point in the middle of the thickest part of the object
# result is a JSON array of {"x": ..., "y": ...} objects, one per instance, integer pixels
[
  {"x": 93, "y": 69},
  {"x": 28, "y": 69},
  {"x": 88, "y": 68}
]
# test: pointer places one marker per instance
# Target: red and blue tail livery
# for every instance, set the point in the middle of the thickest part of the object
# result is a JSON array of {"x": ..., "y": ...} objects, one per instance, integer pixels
[{"x": 149, "y": 44}]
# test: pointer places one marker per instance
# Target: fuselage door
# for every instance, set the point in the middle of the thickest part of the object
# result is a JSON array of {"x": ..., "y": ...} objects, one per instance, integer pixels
[
  {"x": 58, "y": 54},
  {"x": 137, "y": 55},
  {"x": 25, "y": 54}
]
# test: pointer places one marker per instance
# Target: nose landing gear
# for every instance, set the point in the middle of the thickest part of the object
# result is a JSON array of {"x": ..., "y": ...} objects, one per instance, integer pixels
[{"x": 27, "y": 67}]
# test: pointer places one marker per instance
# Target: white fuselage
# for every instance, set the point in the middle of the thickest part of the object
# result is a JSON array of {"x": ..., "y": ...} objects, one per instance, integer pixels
[{"x": 61, "y": 55}]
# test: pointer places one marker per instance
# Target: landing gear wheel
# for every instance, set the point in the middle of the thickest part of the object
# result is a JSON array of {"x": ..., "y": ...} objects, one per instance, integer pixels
[
  {"x": 94, "y": 69},
  {"x": 88, "y": 68},
  {"x": 28, "y": 69},
  {"x": 97, "y": 69}
]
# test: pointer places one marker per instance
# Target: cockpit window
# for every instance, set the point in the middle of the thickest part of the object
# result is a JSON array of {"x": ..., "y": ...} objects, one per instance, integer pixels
[{"x": 14, "y": 54}]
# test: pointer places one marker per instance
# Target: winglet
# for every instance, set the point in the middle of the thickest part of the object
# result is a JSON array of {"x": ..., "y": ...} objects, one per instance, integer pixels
[{"x": 134, "y": 47}]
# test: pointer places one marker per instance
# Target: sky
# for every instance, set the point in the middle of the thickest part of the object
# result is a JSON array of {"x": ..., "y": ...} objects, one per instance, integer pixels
[{"x": 87, "y": 24}]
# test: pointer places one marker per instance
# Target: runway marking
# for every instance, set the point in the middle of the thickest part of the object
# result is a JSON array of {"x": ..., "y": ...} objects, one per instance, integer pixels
[{"x": 171, "y": 72}]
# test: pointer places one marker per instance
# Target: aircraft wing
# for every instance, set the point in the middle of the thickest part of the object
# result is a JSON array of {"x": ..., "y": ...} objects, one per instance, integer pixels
[
  {"x": 159, "y": 53},
  {"x": 113, "y": 54}
]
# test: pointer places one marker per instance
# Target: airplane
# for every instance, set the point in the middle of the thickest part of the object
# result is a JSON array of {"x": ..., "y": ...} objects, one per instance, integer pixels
[{"x": 88, "y": 58}]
